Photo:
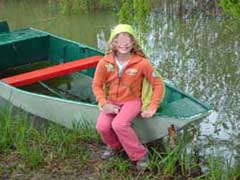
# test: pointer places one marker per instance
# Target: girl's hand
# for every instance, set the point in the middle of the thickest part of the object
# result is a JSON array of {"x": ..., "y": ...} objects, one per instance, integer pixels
[
  {"x": 148, "y": 113},
  {"x": 110, "y": 108}
]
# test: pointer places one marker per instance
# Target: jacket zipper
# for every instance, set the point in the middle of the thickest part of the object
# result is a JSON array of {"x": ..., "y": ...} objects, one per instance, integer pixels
[{"x": 119, "y": 82}]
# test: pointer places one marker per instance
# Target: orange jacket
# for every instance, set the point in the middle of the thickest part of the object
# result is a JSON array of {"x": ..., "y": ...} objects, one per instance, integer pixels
[{"x": 128, "y": 86}]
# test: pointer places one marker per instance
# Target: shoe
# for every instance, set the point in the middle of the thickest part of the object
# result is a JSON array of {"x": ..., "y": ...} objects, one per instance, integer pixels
[
  {"x": 108, "y": 153},
  {"x": 142, "y": 164}
]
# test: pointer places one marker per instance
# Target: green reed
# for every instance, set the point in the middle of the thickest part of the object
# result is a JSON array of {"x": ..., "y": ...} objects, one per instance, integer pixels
[{"x": 46, "y": 142}]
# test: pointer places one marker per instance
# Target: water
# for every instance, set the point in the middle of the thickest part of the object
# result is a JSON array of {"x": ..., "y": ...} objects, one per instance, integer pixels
[
  {"x": 45, "y": 16},
  {"x": 201, "y": 55}
]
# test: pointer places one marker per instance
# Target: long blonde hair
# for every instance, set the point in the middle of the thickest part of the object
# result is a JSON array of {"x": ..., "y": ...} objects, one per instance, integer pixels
[{"x": 135, "y": 50}]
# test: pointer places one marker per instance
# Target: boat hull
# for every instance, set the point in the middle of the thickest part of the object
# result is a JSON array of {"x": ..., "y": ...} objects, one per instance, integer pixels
[{"x": 71, "y": 113}]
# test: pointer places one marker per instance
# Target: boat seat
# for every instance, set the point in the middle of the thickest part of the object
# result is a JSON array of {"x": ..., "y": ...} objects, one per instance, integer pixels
[{"x": 52, "y": 72}]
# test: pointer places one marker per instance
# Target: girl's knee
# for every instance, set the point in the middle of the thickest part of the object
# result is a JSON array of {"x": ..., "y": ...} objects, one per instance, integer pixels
[
  {"x": 103, "y": 128},
  {"x": 119, "y": 126},
  {"x": 103, "y": 123}
]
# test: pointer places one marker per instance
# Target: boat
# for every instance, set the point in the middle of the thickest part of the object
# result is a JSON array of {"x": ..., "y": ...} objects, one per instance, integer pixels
[{"x": 29, "y": 46}]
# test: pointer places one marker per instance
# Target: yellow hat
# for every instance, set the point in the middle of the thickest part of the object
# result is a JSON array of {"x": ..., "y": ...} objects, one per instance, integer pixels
[{"x": 122, "y": 28}]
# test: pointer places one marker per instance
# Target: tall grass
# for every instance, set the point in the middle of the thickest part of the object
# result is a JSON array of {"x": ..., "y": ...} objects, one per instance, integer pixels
[{"x": 35, "y": 145}]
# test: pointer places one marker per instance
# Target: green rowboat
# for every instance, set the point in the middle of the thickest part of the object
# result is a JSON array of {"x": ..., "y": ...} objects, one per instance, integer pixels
[{"x": 26, "y": 47}]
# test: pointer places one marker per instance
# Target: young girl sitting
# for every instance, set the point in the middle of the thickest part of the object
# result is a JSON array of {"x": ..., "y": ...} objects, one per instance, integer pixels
[{"x": 117, "y": 85}]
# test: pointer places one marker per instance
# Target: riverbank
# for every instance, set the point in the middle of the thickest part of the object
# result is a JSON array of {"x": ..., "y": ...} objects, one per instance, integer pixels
[{"x": 33, "y": 148}]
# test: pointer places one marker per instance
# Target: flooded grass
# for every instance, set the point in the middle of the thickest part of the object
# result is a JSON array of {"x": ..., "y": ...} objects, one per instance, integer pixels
[{"x": 35, "y": 148}]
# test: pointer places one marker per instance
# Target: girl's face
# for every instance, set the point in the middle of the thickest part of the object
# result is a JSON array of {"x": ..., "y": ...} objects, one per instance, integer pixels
[{"x": 123, "y": 43}]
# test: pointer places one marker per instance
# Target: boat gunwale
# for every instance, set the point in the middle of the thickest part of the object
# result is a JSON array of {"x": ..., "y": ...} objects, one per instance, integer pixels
[{"x": 192, "y": 118}]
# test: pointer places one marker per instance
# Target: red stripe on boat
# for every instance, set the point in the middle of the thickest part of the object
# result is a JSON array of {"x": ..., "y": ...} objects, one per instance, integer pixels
[{"x": 52, "y": 72}]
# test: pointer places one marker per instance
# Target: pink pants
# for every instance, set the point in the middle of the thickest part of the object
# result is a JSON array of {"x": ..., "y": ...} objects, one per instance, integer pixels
[{"x": 116, "y": 130}]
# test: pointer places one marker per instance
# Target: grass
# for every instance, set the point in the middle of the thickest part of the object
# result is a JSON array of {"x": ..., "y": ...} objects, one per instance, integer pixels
[{"x": 32, "y": 148}]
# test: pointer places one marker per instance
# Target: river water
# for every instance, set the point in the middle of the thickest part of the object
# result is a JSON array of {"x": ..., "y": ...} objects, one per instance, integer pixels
[{"x": 201, "y": 55}]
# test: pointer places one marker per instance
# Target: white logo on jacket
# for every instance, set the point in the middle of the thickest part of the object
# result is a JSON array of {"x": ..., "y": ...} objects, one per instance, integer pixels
[
  {"x": 109, "y": 67},
  {"x": 131, "y": 71}
]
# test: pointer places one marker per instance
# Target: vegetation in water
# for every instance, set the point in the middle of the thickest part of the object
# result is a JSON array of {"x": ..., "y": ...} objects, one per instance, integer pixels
[
  {"x": 138, "y": 12},
  {"x": 231, "y": 6},
  {"x": 139, "y": 8},
  {"x": 68, "y": 7},
  {"x": 34, "y": 148}
]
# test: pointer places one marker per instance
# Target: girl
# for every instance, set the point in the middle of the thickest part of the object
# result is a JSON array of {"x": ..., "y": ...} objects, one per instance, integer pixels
[{"x": 117, "y": 86}]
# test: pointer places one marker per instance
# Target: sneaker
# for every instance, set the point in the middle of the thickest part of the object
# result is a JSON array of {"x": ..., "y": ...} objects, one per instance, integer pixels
[
  {"x": 142, "y": 164},
  {"x": 108, "y": 153}
]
